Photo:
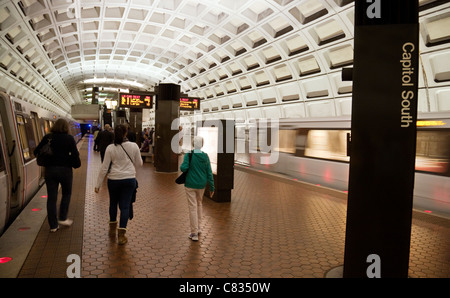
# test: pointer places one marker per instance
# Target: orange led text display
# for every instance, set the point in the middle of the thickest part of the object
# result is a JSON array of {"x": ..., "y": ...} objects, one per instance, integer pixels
[
  {"x": 135, "y": 101},
  {"x": 189, "y": 104}
]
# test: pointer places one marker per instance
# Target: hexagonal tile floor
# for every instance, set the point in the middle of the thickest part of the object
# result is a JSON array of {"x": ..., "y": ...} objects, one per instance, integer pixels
[{"x": 271, "y": 229}]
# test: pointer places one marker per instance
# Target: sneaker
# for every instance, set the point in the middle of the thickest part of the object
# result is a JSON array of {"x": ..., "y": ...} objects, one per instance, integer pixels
[
  {"x": 67, "y": 222},
  {"x": 193, "y": 237},
  {"x": 54, "y": 230}
]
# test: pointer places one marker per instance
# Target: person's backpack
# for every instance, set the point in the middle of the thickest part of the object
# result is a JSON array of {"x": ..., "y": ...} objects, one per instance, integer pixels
[{"x": 45, "y": 154}]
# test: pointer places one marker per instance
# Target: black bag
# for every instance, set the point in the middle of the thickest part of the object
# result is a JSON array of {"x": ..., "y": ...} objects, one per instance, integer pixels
[
  {"x": 182, "y": 178},
  {"x": 133, "y": 200},
  {"x": 76, "y": 162},
  {"x": 45, "y": 154}
]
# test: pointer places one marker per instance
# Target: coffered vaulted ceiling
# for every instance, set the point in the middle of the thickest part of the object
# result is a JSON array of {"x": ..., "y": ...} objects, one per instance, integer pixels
[{"x": 213, "y": 49}]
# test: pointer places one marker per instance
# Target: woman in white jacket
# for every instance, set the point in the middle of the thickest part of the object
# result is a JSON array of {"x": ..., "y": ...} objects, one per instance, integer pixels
[{"x": 119, "y": 164}]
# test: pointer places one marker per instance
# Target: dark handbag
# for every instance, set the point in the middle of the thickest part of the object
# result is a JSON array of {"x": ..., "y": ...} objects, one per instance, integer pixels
[
  {"x": 45, "y": 154},
  {"x": 76, "y": 162},
  {"x": 182, "y": 178},
  {"x": 133, "y": 200}
]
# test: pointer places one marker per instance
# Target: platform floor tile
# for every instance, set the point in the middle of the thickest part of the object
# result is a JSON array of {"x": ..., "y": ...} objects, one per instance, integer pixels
[{"x": 271, "y": 229}]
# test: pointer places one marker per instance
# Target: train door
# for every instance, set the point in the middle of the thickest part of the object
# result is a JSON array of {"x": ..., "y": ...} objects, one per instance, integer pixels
[
  {"x": 38, "y": 135},
  {"x": 47, "y": 126},
  {"x": 4, "y": 181},
  {"x": 27, "y": 154},
  {"x": 14, "y": 161},
  {"x": 35, "y": 124},
  {"x": 28, "y": 141}
]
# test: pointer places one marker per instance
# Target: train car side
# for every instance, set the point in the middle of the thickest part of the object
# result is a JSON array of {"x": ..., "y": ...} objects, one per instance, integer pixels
[
  {"x": 317, "y": 152},
  {"x": 23, "y": 125}
]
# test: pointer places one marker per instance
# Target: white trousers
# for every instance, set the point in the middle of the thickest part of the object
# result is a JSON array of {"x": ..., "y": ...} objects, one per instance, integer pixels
[{"x": 195, "y": 198}]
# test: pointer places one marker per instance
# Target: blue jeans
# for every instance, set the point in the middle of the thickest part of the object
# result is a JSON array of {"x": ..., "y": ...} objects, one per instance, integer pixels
[
  {"x": 120, "y": 193},
  {"x": 53, "y": 177}
]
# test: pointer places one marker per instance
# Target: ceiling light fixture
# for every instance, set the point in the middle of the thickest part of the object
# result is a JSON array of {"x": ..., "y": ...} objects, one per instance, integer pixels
[{"x": 113, "y": 82}]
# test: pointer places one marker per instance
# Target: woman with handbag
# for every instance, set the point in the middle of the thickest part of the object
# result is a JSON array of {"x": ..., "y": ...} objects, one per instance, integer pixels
[
  {"x": 199, "y": 173},
  {"x": 63, "y": 156},
  {"x": 119, "y": 164}
]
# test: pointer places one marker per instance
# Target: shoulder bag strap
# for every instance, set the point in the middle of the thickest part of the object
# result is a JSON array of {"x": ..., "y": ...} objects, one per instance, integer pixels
[
  {"x": 127, "y": 154},
  {"x": 190, "y": 158}
]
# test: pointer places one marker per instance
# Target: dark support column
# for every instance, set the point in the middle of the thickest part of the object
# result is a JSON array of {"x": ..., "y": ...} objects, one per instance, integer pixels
[
  {"x": 224, "y": 175},
  {"x": 167, "y": 110},
  {"x": 107, "y": 116},
  {"x": 383, "y": 139},
  {"x": 135, "y": 125}
]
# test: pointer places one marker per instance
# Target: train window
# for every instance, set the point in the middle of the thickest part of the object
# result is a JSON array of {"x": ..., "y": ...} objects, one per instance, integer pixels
[
  {"x": 23, "y": 137},
  {"x": 322, "y": 144},
  {"x": 287, "y": 141},
  {"x": 47, "y": 126},
  {"x": 35, "y": 123},
  {"x": 31, "y": 134},
  {"x": 433, "y": 152},
  {"x": 327, "y": 144}
]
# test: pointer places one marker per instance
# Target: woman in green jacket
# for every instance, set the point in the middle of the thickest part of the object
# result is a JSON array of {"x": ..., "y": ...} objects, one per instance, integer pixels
[{"x": 198, "y": 176}]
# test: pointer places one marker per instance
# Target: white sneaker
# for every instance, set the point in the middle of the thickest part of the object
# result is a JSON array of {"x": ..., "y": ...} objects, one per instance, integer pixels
[
  {"x": 67, "y": 222},
  {"x": 193, "y": 237},
  {"x": 54, "y": 230}
]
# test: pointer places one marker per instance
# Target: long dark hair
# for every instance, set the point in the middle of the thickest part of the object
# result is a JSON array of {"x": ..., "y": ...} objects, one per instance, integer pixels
[
  {"x": 61, "y": 126},
  {"x": 120, "y": 131}
]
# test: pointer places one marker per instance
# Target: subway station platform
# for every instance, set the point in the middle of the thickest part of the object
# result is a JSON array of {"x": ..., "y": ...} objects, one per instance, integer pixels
[{"x": 273, "y": 228}]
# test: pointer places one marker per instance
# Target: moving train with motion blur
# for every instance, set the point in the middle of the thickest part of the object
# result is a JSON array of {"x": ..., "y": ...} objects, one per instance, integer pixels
[
  {"x": 315, "y": 151},
  {"x": 22, "y": 126}
]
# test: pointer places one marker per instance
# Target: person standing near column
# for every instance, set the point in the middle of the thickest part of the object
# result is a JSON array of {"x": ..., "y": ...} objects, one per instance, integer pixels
[{"x": 199, "y": 174}]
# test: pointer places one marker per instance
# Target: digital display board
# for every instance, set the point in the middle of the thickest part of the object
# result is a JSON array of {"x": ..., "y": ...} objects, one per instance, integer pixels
[
  {"x": 189, "y": 104},
  {"x": 144, "y": 101}
]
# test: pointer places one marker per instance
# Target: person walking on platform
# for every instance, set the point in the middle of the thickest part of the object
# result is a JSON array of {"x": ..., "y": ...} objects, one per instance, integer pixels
[
  {"x": 58, "y": 170},
  {"x": 104, "y": 139},
  {"x": 199, "y": 174},
  {"x": 121, "y": 159}
]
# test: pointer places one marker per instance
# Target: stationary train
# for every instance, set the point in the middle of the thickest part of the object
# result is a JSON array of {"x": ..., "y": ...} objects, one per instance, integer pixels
[
  {"x": 315, "y": 151},
  {"x": 22, "y": 126}
]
